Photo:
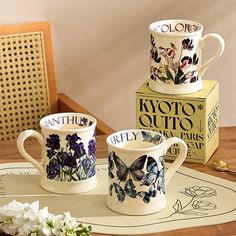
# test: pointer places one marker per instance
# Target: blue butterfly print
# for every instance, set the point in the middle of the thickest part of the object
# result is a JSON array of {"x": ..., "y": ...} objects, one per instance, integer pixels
[
  {"x": 161, "y": 181},
  {"x": 148, "y": 137},
  {"x": 129, "y": 190},
  {"x": 120, "y": 192},
  {"x": 152, "y": 172},
  {"x": 135, "y": 170},
  {"x": 110, "y": 189},
  {"x": 146, "y": 196},
  {"x": 110, "y": 165}
]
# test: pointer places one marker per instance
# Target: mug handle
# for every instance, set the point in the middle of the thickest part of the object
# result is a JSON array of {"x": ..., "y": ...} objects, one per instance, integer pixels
[
  {"x": 179, "y": 159},
  {"x": 20, "y": 145},
  {"x": 221, "y": 47}
]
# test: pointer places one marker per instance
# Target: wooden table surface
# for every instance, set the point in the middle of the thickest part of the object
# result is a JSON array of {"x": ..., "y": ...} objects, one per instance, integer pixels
[{"x": 226, "y": 151}]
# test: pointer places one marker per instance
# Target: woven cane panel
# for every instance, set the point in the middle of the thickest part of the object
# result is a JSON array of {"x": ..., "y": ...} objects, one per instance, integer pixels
[{"x": 23, "y": 84}]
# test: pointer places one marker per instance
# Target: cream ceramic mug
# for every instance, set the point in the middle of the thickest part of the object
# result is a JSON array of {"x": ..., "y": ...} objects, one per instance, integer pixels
[
  {"x": 68, "y": 152},
  {"x": 136, "y": 170},
  {"x": 176, "y": 55}
]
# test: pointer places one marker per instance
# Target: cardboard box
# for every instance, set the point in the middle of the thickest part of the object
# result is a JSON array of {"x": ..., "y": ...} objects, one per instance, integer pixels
[{"x": 191, "y": 117}]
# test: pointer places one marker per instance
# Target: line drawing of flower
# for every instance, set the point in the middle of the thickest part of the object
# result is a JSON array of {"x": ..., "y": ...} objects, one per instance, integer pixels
[
  {"x": 70, "y": 163},
  {"x": 203, "y": 205},
  {"x": 168, "y": 68},
  {"x": 199, "y": 192},
  {"x": 195, "y": 207}
]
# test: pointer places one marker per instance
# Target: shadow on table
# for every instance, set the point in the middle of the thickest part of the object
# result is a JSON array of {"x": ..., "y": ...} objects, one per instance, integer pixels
[{"x": 25, "y": 188}]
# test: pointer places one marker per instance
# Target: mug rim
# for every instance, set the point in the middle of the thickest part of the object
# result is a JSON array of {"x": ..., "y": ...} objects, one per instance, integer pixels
[
  {"x": 80, "y": 129},
  {"x": 152, "y": 148},
  {"x": 175, "y": 34}
]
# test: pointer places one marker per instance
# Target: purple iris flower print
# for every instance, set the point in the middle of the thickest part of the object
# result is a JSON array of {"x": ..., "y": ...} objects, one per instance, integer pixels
[
  {"x": 50, "y": 153},
  {"x": 91, "y": 171},
  {"x": 71, "y": 161},
  {"x": 72, "y": 140},
  {"x": 89, "y": 167},
  {"x": 66, "y": 159},
  {"x": 83, "y": 121},
  {"x": 53, "y": 142},
  {"x": 53, "y": 169},
  {"x": 92, "y": 147},
  {"x": 79, "y": 150}
]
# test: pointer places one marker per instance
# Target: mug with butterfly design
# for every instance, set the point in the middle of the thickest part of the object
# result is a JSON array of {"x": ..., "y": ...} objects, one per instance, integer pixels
[
  {"x": 176, "y": 55},
  {"x": 136, "y": 170}
]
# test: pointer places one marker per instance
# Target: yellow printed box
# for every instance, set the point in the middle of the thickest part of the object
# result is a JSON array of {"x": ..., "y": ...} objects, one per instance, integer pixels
[{"x": 191, "y": 117}]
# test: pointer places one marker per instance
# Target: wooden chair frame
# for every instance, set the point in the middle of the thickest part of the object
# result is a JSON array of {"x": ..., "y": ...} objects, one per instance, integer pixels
[{"x": 58, "y": 102}]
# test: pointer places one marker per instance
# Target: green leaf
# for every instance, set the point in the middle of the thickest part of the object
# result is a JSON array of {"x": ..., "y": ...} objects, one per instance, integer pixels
[
  {"x": 73, "y": 178},
  {"x": 169, "y": 74},
  {"x": 76, "y": 169},
  {"x": 178, "y": 75},
  {"x": 181, "y": 81},
  {"x": 66, "y": 172}
]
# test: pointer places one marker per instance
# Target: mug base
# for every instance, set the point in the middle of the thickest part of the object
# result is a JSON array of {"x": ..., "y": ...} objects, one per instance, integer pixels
[
  {"x": 68, "y": 187},
  {"x": 175, "y": 88},
  {"x": 135, "y": 209}
]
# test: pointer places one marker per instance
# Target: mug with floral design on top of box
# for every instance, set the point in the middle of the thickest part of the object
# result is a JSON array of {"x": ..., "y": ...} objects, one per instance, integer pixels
[
  {"x": 176, "y": 54},
  {"x": 68, "y": 152}
]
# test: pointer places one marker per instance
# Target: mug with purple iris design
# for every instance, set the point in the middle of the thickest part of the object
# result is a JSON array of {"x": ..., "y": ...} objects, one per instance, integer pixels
[
  {"x": 68, "y": 148},
  {"x": 176, "y": 55}
]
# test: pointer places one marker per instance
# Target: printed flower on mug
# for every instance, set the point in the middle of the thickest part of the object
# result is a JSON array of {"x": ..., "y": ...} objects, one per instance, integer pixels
[
  {"x": 53, "y": 169},
  {"x": 72, "y": 140},
  {"x": 187, "y": 44},
  {"x": 153, "y": 51},
  {"x": 168, "y": 52},
  {"x": 173, "y": 70},
  {"x": 193, "y": 79},
  {"x": 92, "y": 148},
  {"x": 185, "y": 62},
  {"x": 53, "y": 142},
  {"x": 70, "y": 162}
]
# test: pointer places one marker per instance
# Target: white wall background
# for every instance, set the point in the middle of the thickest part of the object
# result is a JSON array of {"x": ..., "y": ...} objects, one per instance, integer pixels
[{"x": 101, "y": 48}]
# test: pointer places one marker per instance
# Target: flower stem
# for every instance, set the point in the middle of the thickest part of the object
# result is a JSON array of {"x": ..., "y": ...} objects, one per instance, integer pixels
[
  {"x": 180, "y": 54},
  {"x": 185, "y": 206}
]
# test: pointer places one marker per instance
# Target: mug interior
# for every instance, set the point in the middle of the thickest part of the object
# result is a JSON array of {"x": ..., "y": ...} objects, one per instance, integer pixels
[
  {"x": 176, "y": 27},
  {"x": 68, "y": 121},
  {"x": 135, "y": 139}
]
